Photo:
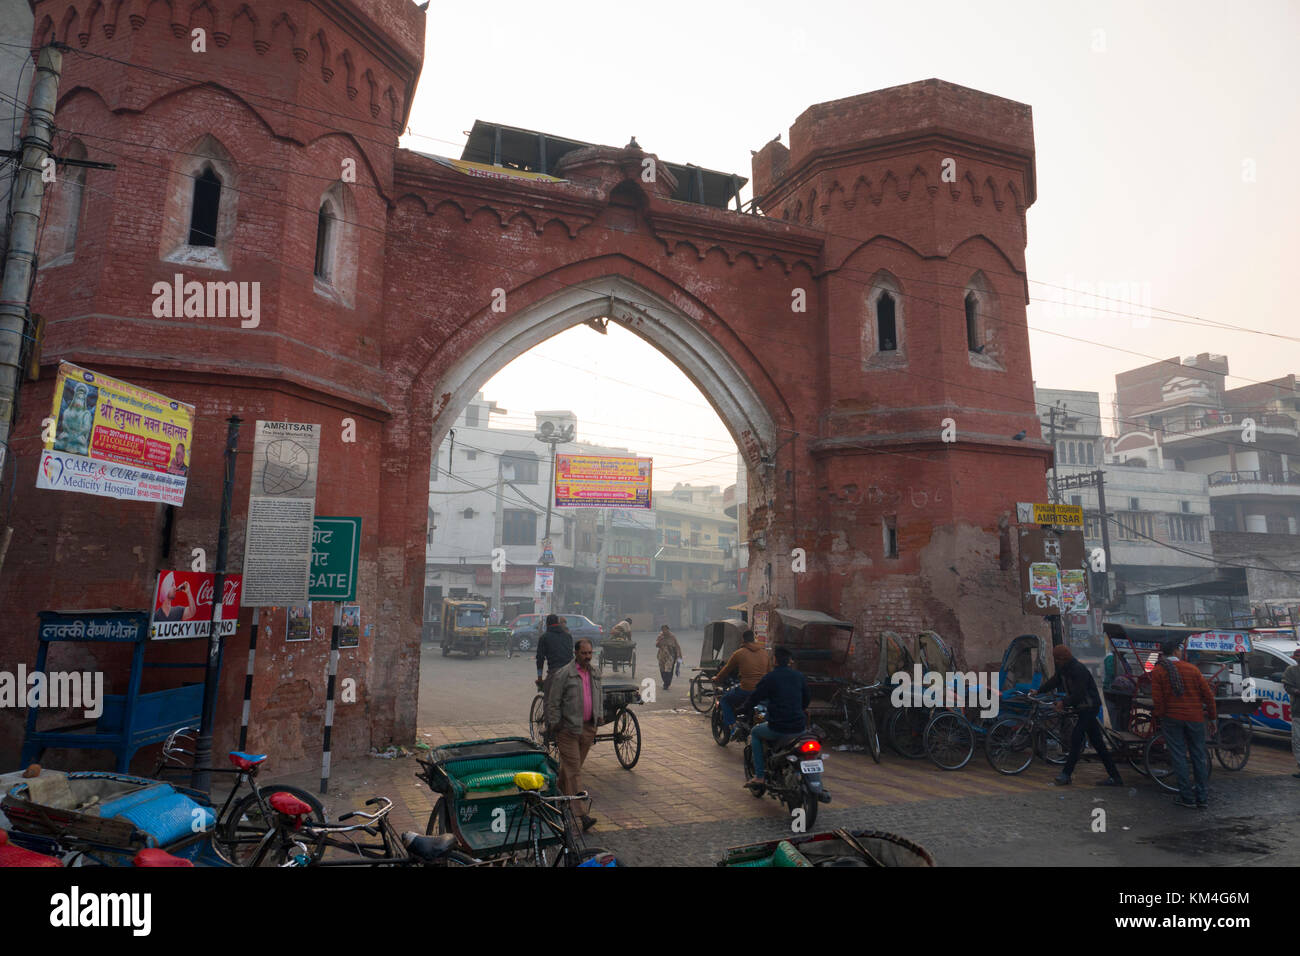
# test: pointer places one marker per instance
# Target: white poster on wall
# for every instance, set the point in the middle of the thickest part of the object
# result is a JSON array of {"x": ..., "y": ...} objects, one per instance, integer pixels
[{"x": 281, "y": 507}]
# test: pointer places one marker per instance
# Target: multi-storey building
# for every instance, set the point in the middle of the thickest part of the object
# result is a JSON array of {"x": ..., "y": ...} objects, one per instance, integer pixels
[
  {"x": 695, "y": 537},
  {"x": 490, "y": 485},
  {"x": 1245, "y": 443},
  {"x": 1158, "y": 518}
]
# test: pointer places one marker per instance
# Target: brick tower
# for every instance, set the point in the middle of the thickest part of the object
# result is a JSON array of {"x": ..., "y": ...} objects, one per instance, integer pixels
[
  {"x": 275, "y": 114},
  {"x": 921, "y": 190}
]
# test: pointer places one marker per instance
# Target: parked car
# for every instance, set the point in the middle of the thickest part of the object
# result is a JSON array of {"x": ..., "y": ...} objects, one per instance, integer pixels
[{"x": 526, "y": 630}]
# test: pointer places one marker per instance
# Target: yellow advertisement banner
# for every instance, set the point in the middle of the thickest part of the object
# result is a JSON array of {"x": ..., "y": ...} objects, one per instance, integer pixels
[{"x": 602, "y": 481}]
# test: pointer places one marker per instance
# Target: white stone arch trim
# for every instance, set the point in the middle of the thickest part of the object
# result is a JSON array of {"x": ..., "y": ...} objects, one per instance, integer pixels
[
  {"x": 342, "y": 249},
  {"x": 206, "y": 151},
  {"x": 989, "y": 330},
  {"x": 873, "y": 356},
  {"x": 64, "y": 209},
  {"x": 662, "y": 324}
]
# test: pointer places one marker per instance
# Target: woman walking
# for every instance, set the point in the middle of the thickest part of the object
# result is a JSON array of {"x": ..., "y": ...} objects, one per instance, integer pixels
[{"x": 669, "y": 651}]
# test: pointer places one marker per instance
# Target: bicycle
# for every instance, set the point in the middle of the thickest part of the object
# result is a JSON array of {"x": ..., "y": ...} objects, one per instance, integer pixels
[
  {"x": 240, "y": 825},
  {"x": 295, "y": 841},
  {"x": 854, "y": 720},
  {"x": 702, "y": 688},
  {"x": 1013, "y": 741},
  {"x": 554, "y": 836}
]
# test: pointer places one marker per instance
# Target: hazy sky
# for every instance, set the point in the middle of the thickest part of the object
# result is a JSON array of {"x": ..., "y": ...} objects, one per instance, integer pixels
[{"x": 1166, "y": 140}]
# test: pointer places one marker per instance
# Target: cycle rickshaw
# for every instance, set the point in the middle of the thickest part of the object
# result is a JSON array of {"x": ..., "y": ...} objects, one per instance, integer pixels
[
  {"x": 624, "y": 729},
  {"x": 617, "y": 654},
  {"x": 721, "y": 640}
]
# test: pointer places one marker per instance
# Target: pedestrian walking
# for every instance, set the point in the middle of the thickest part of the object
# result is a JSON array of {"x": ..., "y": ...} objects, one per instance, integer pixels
[
  {"x": 1291, "y": 684},
  {"x": 1081, "y": 694},
  {"x": 1182, "y": 700},
  {"x": 669, "y": 651},
  {"x": 574, "y": 707},
  {"x": 554, "y": 650}
]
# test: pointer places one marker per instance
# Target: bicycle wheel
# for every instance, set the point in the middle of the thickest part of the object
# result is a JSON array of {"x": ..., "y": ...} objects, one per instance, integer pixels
[
  {"x": 1233, "y": 748},
  {"x": 1052, "y": 738},
  {"x": 868, "y": 736},
  {"x": 1159, "y": 767},
  {"x": 949, "y": 740},
  {"x": 701, "y": 696},
  {"x": 1009, "y": 745},
  {"x": 537, "y": 719},
  {"x": 906, "y": 731},
  {"x": 627, "y": 738},
  {"x": 245, "y": 826},
  {"x": 721, "y": 736},
  {"x": 439, "y": 819}
]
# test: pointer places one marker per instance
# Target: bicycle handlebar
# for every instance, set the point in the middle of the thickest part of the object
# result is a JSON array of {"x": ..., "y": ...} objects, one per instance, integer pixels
[{"x": 386, "y": 805}]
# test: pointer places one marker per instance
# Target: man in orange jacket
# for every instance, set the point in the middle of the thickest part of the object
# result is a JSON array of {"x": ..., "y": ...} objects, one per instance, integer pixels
[{"x": 1183, "y": 701}]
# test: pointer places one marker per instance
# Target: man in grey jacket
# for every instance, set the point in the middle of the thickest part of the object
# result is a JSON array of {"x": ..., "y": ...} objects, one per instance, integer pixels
[{"x": 574, "y": 707}]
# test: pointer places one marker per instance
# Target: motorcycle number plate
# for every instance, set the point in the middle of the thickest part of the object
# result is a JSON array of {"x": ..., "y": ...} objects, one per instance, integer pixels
[{"x": 811, "y": 766}]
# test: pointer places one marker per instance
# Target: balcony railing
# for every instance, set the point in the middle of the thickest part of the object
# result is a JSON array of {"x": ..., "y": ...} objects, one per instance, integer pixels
[
  {"x": 1180, "y": 426},
  {"x": 710, "y": 555},
  {"x": 1268, "y": 477}
]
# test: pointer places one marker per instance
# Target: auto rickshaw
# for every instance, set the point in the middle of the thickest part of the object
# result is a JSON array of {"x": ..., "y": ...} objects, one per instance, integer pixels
[{"x": 464, "y": 627}]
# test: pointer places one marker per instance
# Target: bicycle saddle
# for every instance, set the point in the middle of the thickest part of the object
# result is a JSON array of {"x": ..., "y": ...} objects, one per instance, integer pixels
[
  {"x": 289, "y": 805},
  {"x": 429, "y": 847},
  {"x": 246, "y": 761}
]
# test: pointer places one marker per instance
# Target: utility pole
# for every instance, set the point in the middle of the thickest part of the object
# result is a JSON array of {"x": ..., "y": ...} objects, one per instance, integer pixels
[
  {"x": 1053, "y": 493},
  {"x": 550, "y": 435},
  {"x": 20, "y": 263},
  {"x": 497, "y": 534},
  {"x": 202, "y": 777},
  {"x": 601, "y": 561},
  {"x": 1100, "y": 477}
]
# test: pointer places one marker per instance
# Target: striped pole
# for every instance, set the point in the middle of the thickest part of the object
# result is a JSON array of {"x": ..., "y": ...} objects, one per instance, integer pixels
[
  {"x": 248, "y": 683},
  {"x": 330, "y": 674}
]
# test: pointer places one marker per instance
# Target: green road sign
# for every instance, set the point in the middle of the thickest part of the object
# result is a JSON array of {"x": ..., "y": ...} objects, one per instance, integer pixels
[{"x": 335, "y": 548}]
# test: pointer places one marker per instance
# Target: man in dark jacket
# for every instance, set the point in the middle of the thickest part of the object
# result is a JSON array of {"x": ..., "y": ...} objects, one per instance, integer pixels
[
  {"x": 787, "y": 695},
  {"x": 1081, "y": 694},
  {"x": 555, "y": 649}
]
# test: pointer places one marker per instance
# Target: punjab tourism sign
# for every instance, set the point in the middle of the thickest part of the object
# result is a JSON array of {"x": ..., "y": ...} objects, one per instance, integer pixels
[
  {"x": 182, "y": 605},
  {"x": 602, "y": 481},
  {"x": 281, "y": 509},
  {"x": 109, "y": 438},
  {"x": 1070, "y": 516}
]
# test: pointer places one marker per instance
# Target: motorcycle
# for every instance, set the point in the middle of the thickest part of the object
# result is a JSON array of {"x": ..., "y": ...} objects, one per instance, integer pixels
[
  {"x": 793, "y": 771},
  {"x": 719, "y": 726}
]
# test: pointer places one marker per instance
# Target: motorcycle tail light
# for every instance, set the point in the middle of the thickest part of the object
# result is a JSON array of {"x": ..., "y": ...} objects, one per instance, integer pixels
[{"x": 810, "y": 747}]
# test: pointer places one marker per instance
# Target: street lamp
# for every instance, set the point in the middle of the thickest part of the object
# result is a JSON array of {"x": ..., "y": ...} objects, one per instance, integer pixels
[{"x": 551, "y": 434}]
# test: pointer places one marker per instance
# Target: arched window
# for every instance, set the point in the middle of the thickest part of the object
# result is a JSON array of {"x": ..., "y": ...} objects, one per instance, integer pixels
[
  {"x": 972, "y": 323},
  {"x": 204, "y": 208},
  {"x": 1090, "y": 453},
  {"x": 982, "y": 315},
  {"x": 337, "y": 245},
  {"x": 1071, "y": 446},
  {"x": 886, "y": 323},
  {"x": 324, "y": 220},
  {"x": 62, "y": 220},
  {"x": 198, "y": 224},
  {"x": 884, "y": 331}
]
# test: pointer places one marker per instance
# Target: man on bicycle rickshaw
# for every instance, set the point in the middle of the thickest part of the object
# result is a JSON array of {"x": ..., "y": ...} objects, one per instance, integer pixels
[{"x": 751, "y": 662}]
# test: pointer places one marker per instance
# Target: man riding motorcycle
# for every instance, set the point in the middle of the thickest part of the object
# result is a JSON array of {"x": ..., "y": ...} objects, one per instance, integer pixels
[{"x": 788, "y": 698}]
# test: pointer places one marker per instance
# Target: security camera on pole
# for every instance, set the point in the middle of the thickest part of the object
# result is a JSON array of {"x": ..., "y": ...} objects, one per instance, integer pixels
[{"x": 552, "y": 434}]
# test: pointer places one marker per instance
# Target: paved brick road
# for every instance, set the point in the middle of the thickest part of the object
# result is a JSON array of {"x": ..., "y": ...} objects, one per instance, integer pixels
[{"x": 684, "y": 801}]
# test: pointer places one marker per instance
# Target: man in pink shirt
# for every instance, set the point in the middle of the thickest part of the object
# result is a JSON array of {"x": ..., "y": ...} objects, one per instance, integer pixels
[{"x": 574, "y": 707}]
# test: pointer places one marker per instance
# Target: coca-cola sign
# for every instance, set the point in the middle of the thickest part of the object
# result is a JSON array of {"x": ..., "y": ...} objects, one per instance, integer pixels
[{"x": 182, "y": 605}]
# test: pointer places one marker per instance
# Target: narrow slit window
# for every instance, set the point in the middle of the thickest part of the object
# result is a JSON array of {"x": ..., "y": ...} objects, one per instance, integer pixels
[
  {"x": 324, "y": 222},
  {"x": 203, "y": 215},
  {"x": 972, "y": 323},
  {"x": 889, "y": 529},
  {"x": 886, "y": 327}
]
